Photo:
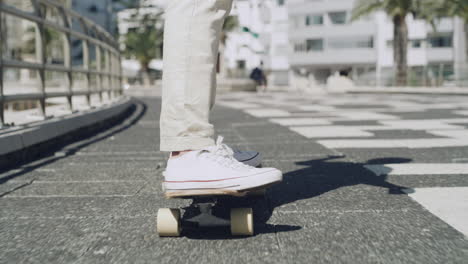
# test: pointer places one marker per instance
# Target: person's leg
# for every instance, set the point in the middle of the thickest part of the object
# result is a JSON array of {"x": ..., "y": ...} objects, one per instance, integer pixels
[
  {"x": 191, "y": 39},
  {"x": 192, "y": 32}
]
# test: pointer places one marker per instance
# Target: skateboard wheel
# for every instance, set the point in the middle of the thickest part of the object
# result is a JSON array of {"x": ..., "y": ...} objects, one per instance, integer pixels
[
  {"x": 168, "y": 222},
  {"x": 242, "y": 222},
  {"x": 257, "y": 193}
]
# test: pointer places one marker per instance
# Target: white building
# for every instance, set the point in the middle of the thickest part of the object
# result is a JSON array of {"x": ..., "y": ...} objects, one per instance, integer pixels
[
  {"x": 243, "y": 48},
  {"x": 261, "y": 37},
  {"x": 275, "y": 39},
  {"x": 101, "y": 12},
  {"x": 324, "y": 41}
]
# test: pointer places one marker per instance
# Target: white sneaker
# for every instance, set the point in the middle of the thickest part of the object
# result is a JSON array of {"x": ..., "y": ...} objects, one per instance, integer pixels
[
  {"x": 215, "y": 168},
  {"x": 251, "y": 158}
]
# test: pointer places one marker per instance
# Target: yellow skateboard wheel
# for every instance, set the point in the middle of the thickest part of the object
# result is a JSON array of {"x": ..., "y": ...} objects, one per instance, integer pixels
[
  {"x": 242, "y": 222},
  {"x": 168, "y": 222}
]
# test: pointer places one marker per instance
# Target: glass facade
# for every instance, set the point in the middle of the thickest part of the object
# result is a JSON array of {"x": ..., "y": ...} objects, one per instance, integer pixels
[
  {"x": 313, "y": 20},
  {"x": 338, "y": 17},
  {"x": 441, "y": 40},
  {"x": 314, "y": 44},
  {"x": 350, "y": 42}
]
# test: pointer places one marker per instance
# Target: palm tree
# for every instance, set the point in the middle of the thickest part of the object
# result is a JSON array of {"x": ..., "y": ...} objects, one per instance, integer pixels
[
  {"x": 145, "y": 42},
  {"x": 397, "y": 10},
  {"x": 230, "y": 23}
]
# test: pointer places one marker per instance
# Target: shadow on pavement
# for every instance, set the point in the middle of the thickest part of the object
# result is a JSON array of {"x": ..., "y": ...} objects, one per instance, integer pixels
[
  {"x": 319, "y": 176},
  {"x": 73, "y": 147},
  {"x": 327, "y": 174}
]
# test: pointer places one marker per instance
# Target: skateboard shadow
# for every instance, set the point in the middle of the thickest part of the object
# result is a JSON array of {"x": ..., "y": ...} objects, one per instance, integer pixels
[
  {"x": 261, "y": 208},
  {"x": 317, "y": 177},
  {"x": 320, "y": 176}
]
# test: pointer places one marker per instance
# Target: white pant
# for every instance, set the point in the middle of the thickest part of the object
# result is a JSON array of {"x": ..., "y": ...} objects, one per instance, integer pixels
[{"x": 191, "y": 38}]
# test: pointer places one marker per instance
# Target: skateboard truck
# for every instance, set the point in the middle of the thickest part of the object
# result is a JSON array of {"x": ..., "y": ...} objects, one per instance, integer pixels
[
  {"x": 169, "y": 222},
  {"x": 206, "y": 218}
]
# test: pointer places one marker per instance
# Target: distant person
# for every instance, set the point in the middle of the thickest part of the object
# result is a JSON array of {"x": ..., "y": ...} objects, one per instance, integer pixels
[
  {"x": 344, "y": 73},
  {"x": 339, "y": 82},
  {"x": 259, "y": 77},
  {"x": 191, "y": 37}
]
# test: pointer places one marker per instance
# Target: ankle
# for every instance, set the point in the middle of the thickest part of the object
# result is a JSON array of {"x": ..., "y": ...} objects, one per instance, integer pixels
[{"x": 176, "y": 154}]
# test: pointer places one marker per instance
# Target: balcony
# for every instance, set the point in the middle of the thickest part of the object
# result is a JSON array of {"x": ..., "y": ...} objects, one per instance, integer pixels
[
  {"x": 440, "y": 54},
  {"x": 333, "y": 57},
  {"x": 355, "y": 29}
]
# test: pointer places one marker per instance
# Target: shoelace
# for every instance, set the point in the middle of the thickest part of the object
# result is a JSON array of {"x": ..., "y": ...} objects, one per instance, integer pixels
[{"x": 223, "y": 154}]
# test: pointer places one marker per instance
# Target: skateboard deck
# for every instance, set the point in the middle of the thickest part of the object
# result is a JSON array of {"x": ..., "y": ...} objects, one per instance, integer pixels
[{"x": 203, "y": 192}]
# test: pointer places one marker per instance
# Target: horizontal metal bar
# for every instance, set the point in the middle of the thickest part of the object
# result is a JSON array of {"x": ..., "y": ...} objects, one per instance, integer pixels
[
  {"x": 53, "y": 67},
  {"x": 22, "y": 64},
  {"x": 38, "y": 96}
]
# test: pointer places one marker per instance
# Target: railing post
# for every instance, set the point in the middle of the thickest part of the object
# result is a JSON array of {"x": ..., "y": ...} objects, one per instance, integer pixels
[
  {"x": 41, "y": 46},
  {"x": 119, "y": 70},
  {"x": 68, "y": 58},
  {"x": 99, "y": 69},
  {"x": 113, "y": 76},
  {"x": 86, "y": 63},
  {"x": 109, "y": 72},
  {"x": 2, "y": 40}
]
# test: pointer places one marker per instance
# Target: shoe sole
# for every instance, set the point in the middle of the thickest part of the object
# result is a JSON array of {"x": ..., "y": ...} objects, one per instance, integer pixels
[{"x": 244, "y": 183}]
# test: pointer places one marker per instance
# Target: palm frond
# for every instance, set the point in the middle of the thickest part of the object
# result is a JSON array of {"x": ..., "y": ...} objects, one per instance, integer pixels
[{"x": 365, "y": 7}]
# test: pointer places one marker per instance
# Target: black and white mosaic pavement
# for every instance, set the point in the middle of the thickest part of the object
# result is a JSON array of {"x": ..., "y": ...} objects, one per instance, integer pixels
[
  {"x": 367, "y": 179},
  {"x": 429, "y": 132}
]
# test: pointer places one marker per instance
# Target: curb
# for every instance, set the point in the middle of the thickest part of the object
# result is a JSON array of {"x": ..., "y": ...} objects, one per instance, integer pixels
[
  {"x": 24, "y": 143},
  {"x": 412, "y": 90}
]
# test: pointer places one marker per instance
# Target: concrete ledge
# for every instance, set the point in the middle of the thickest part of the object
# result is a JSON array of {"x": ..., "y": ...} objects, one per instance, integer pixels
[
  {"x": 21, "y": 143},
  {"x": 235, "y": 85},
  {"x": 411, "y": 90}
]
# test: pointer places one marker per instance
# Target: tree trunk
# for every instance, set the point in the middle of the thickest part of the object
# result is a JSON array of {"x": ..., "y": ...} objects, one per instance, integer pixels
[
  {"x": 466, "y": 41},
  {"x": 145, "y": 74},
  {"x": 400, "y": 49}
]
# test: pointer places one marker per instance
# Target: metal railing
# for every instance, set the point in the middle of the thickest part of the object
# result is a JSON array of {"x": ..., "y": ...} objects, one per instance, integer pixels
[
  {"x": 107, "y": 69},
  {"x": 433, "y": 75}
]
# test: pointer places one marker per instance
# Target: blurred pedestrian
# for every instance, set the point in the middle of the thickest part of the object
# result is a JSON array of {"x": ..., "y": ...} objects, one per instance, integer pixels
[{"x": 259, "y": 77}]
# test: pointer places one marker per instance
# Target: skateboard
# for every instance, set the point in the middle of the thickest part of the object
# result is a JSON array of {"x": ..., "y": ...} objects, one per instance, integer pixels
[{"x": 203, "y": 207}]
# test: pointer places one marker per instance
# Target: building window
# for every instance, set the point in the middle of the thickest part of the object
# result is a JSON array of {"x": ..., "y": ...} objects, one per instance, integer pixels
[
  {"x": 314, "y": 44},
  {"x": 299, "y": 47},
  {"x": 351, "y": 42},
  {"x": 241, "y": 64},
  {"x": 93, "y": 9},
  {"x": 280, "y": 2},
  {"x": 314, "y": 20},
  {"x": 416, "y": 43},
  {"x": 440, "y": 40},
  {"x": 389, "y": 43},
  {"x": 337, "y": 17}
]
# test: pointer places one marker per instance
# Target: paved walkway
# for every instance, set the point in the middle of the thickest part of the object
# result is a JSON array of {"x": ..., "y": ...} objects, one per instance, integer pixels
[{"x": 367, "y": 178}]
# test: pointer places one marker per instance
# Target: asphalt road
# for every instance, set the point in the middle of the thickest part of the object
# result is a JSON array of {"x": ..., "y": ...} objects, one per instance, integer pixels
[{"x": 367, "y": 179}]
